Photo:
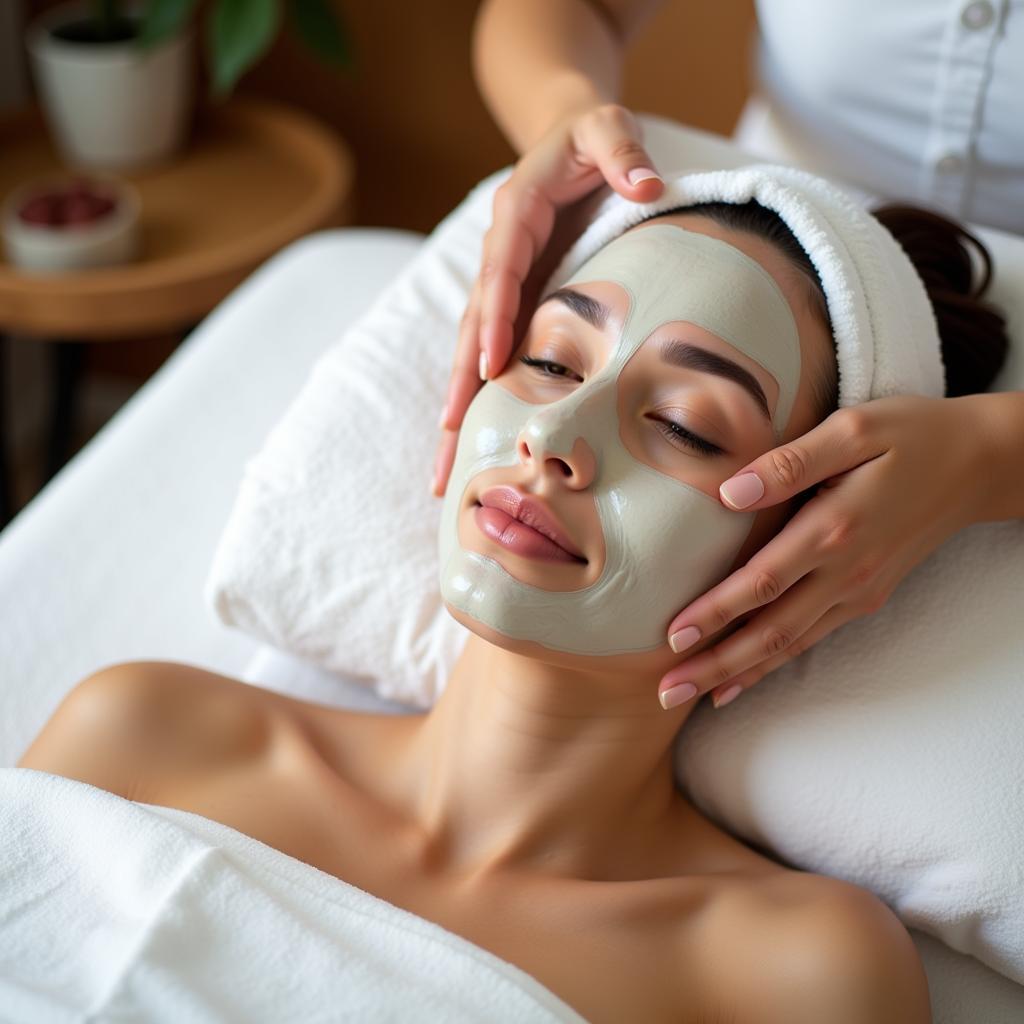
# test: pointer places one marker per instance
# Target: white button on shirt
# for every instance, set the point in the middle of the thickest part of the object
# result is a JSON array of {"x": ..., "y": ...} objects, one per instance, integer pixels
[
  {"x": 921, "y": 100},
  {"x": 950, "y": 163},
  {"x": 978, "y": 14}
]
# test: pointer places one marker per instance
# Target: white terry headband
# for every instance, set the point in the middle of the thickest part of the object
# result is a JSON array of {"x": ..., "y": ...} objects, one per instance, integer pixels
[{"x": 886, "y": 336}]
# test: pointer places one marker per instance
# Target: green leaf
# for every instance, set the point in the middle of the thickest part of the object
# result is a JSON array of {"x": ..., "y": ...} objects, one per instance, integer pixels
[
  {"x": 163, "y": 19},
  {"x": 321, "y": 30},
  {"x": 238, "y": 34}
]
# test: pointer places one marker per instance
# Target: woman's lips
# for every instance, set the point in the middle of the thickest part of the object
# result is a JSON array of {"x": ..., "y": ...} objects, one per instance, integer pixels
[{"x": 523, "y": 525}]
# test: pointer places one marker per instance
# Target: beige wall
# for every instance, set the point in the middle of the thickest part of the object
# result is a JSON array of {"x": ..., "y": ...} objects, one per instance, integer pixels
[
  {"x": 410, "y": 109},
  {"x": 420, "y": 130},
  {"x": 421, "y": 137}
]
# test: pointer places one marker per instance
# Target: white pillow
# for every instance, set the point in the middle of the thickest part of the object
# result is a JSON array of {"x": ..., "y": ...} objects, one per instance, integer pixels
[{"x": 888, "y": 755}]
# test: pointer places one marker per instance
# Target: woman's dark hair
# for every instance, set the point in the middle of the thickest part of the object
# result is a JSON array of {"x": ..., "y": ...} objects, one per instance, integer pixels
[{"x": 972, "y": 331}]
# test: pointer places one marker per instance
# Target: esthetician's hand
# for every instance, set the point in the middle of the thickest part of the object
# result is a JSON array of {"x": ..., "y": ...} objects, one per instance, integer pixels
[
  {"x": 898, "y": 476},
  {"x": 581, "y": 152}
]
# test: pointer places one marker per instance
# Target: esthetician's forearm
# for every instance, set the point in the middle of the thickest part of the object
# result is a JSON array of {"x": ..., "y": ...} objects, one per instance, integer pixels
[
  {"x": 1001, "y": 416},
  {"x": 536, "y": 61}
]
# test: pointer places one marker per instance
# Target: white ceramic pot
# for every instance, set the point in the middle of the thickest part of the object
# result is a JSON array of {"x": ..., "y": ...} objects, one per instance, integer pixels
[
  {"x": 108, "y": 106},
  {"x": 114, "y": 238}
]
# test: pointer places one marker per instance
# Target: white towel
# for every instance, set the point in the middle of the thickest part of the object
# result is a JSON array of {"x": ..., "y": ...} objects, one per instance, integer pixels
[
  {"x": 887, "y": 339},
  {"x": 113, "y": 910}
]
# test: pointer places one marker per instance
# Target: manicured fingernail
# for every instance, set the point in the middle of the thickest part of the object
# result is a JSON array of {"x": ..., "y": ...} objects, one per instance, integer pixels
[
  {"x": 639, "y": 174},
  {"x": 731, "y": 694},
  {"x": 437, "y": 466},
  {"x": 677, "y": 695},
  {"x": 683, "y": 638},
  {"x": 483, "y": 366},
  {"x": 442, "y": 418},
  {"x": 433, "y": 486},
  {"x": 742, "y": 490}
]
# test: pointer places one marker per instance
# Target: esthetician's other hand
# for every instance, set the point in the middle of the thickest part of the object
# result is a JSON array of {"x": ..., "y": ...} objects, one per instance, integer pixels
[
  {"x": 898, "y": 476},
  {"x": 581, "y": 152}
]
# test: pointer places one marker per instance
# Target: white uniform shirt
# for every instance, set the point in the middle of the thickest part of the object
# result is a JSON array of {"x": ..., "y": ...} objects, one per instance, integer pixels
[{"x": 921, "y": 100}]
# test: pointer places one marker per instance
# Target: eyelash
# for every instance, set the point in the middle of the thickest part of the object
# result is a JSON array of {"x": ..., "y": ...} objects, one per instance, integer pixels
[
  {"x": 544, "y": 364},
  {"x": 675, "y": 432},
  {"x": 671, "y": 430}
]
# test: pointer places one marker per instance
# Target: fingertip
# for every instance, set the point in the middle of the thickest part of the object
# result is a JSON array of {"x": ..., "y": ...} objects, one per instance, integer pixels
[
  {"x": 719, "y": 700},
  {"x": 496, "y": 342},
  {"x": 742, "y": 491},
  {"x": 640, "y": 175},
  {"x": 683, "y": 638},
  {"x": 437, "y": 487}
]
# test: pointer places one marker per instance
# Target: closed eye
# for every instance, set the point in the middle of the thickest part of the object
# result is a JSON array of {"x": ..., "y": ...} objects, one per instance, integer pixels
[
  {"x": 676, "y": 434},
  {"x": 547, "y": 368}
]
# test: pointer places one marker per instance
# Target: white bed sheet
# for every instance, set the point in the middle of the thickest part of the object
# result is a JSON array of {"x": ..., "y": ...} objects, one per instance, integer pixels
[
  {"x": 108, "y": 562},
  {"x": 115, "y": 911}
]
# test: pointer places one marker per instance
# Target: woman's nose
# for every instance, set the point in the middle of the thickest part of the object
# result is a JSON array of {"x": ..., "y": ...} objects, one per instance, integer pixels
[{"x": 555, "y": 450}]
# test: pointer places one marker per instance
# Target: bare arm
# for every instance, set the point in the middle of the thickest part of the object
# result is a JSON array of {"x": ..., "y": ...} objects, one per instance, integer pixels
[
  {"x": 536, "y": 61},
  {"x": 549, "y": 72}
]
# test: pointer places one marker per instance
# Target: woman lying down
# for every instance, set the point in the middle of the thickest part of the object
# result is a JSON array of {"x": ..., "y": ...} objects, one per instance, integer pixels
[{"x": 533, "y": 810}]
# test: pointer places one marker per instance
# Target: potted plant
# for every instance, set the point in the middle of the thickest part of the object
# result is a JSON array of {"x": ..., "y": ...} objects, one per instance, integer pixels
[{"x": 116, "y": 78}]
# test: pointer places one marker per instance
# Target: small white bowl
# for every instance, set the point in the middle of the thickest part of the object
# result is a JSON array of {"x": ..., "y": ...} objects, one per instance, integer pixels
[{"x": 112, "y": 239}]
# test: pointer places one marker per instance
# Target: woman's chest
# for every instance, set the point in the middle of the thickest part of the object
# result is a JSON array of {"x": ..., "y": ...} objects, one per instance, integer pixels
[{"x": 612, "y": 951}]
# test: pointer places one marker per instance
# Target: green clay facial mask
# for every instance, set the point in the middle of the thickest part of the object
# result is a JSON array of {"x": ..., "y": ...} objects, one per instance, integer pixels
[{"x": 666, "y": 542}]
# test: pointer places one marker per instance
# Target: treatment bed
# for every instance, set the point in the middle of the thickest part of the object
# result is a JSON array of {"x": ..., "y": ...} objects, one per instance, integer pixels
[{"x": 108, "y": 564}]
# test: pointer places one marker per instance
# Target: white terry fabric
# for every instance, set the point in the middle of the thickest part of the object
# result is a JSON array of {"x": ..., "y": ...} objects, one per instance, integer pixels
[
  {"x": 892, "y": 760},
  {"x": 887, "y": 340},
  {"x": 114, "y": 911},
  {"x": 889, "y": 754},
  {"x": 330, "y": 550},
  {"x": 129, "y": 526}
]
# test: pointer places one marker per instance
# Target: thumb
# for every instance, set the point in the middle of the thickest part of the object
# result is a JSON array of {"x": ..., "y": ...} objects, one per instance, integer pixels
[
  {"x": 780, "y": 474},
  {"x": 617, "y": 148}
]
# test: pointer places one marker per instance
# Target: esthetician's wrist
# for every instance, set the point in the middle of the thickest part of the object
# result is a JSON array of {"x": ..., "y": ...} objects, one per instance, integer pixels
[
  {"x": 997, "y": 422},
  {"x": 569, "y": 95}
]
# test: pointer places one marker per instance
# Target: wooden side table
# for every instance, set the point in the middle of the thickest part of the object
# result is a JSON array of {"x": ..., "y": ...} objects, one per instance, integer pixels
[{"x": 255, "y": 176}]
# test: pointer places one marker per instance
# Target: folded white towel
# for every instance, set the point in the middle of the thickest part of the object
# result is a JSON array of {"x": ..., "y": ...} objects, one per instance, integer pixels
[
  {"x": 112, "y": 910},
  {"x": 887, "y": 340},
  {"x": 887, "y": 755}
]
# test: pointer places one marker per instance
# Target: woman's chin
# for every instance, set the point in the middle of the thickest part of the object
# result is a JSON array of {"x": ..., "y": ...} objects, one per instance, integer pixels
[
  {"x": 528, "y": 648},
  {"x": 644, "y": 663}
]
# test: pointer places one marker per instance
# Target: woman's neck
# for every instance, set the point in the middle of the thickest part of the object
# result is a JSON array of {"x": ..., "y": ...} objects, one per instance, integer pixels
[{"x": 522, "y": 764}]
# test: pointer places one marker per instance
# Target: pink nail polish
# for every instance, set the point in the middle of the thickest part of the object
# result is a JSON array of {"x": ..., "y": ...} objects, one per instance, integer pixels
[
  {"x": 639, "y": 174},
  {"x": 731, "y": 694},
  {"x": 683, "y": 638},
  {"x": 677, "y": 695},
  {"x": 742, "y": 490}
]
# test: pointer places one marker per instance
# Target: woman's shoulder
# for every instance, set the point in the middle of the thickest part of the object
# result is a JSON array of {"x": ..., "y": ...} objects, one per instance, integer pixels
[
  {"x": 808, "y": 947},
  {"x": 133, "y": 723}
]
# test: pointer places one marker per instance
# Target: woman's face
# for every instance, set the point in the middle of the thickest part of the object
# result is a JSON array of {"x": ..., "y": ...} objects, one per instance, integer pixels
[{"x": 576, "y": 504}]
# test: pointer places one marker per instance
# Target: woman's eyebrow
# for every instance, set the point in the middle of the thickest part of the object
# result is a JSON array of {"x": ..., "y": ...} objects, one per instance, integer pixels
[
  {"x": 595, "y": 313},
  {"x": 693, "y": 357},
  {"x": 675, "y": 352}
]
